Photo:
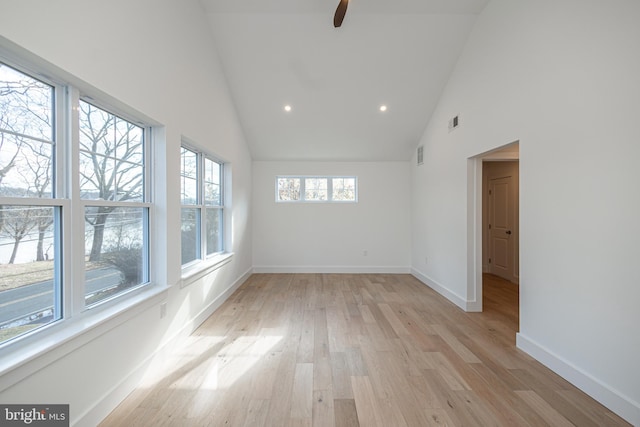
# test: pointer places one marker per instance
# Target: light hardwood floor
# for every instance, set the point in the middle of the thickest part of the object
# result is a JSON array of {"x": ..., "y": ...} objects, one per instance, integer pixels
[{"x": 349, "y": 350}]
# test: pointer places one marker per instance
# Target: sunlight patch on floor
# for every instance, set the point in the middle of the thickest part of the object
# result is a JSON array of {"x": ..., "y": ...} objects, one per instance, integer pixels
[
  {"x": 172, "y": 362},
  {"x": 209, "y": 363},
  {"x": 235, "y": 360}
]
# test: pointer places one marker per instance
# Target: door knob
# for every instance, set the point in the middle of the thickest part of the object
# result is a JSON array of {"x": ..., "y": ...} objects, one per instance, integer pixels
[{"x": 508, "y": 231}]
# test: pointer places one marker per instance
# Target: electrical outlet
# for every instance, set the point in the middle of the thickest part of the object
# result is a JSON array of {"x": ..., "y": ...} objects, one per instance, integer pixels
[{"x": 426, "y": 260}]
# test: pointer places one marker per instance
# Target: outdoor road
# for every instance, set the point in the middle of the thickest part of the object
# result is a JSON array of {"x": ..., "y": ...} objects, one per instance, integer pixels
[{"x": 15, "y": 303}]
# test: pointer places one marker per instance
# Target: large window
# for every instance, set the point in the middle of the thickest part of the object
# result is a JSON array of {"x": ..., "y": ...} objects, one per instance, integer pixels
[
  {"x": 316, "y": 189},
  {"x": 67, "y": 169},
  {"x": 201, "y": 189}
]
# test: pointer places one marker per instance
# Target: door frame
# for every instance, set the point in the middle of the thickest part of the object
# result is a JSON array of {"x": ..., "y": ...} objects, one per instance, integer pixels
[{"x": 474, "y": 219}]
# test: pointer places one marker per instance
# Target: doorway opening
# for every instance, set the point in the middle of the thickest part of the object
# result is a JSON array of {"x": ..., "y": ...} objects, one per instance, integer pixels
[
  {"x": 500, "y": 241},
  {"x": 493, "y": 231}
]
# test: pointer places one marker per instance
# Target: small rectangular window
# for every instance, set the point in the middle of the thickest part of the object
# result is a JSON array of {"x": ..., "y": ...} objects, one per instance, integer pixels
[
  {"x": 288, "y": 189},
  {"x": 344, "y": 189},
  {"x": 316, "y": 189}
]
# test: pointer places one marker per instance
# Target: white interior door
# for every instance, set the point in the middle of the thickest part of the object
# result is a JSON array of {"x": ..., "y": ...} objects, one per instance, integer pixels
[{"x": 501, "y": 227}]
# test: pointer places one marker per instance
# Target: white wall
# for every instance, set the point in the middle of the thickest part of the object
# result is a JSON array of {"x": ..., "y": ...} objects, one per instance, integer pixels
[
  {"x": 332, "y": 237},
  {"x": 562, "y": 78},
  {"x": 156, "y": 57}
]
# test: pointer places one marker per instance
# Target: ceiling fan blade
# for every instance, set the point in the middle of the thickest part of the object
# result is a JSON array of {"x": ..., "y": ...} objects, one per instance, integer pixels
[{"x": 340, "y": 12}]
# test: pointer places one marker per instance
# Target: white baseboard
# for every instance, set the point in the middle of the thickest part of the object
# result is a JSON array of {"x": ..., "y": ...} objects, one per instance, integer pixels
[
  {"x": 329, "y": 269},
  {"x": 94, "y": 415},
  {"x": 216, "y": 303},
  {"x": 99, "y": 411},
  {"x": 473, "y": 307},
  {"x": 612, "y": 399},
  {"x": 454, "y": 298}
]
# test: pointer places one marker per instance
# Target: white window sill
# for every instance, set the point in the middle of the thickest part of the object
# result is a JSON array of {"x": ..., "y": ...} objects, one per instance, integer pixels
[
  {"x": 197, "y": 271},
  {"x": 32, "y": 352}
]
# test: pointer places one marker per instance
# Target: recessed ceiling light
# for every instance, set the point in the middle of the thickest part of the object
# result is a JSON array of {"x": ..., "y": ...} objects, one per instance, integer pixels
[
  {"x": 287, "y": 108},
  {"x": 383, "y": 108}
]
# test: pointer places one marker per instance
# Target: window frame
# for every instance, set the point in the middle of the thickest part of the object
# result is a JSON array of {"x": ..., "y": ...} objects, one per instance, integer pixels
[
  {"x": 202, "y": 258},
  {"x": 146, "y": 200},
  {"x": 75, "y": 317},
  {"x": 57, "y": 200},
  {"x": 329, "y": 179}
]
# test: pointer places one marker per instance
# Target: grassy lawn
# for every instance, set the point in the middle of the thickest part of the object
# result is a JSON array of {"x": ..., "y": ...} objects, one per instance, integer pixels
[
  {"x": 8, "y": 333},
  {"x": 16, "y": 275}
]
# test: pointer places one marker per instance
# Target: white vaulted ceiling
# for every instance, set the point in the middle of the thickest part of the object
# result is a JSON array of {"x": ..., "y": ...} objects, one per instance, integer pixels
[{"x": 397, "y": 53}]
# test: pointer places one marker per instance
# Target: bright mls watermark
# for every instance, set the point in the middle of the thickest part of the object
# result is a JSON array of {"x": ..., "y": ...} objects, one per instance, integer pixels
[{"x": 34, "y": 415}]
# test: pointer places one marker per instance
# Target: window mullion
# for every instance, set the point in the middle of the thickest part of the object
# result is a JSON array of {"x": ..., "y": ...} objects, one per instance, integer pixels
[
  {"x": 146, "y": 236},
  {"x": 221, "y": 184},
  {"x": 62, "y": 214},
  {"x": 75, "y": 280},
  {"x": 202, "y": 206},
  {"x": 61, "y": 301},
  {"x": 147, "y": 197}
]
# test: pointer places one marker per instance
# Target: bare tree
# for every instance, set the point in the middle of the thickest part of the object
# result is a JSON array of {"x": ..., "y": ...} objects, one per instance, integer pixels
[
  {"x": 18, "y": 222},
  {"x": 25, "y": 118},
  {"x": 111, "y": 166},
  {"x": 288, "y": 188},
  {"x": 25, "y": 110},
  {"x": 6, "y": 167},
  {"x": 36, "y": 170}
]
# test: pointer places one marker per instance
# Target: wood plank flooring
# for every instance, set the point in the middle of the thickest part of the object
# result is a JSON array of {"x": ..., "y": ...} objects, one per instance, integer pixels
[{"x": 356, "y": 350}]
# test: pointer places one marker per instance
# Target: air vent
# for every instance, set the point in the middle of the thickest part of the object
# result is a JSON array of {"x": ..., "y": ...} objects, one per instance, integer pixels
[
  {"x": 454, "y": 122},
  {"x": 420, "y": 155}
]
